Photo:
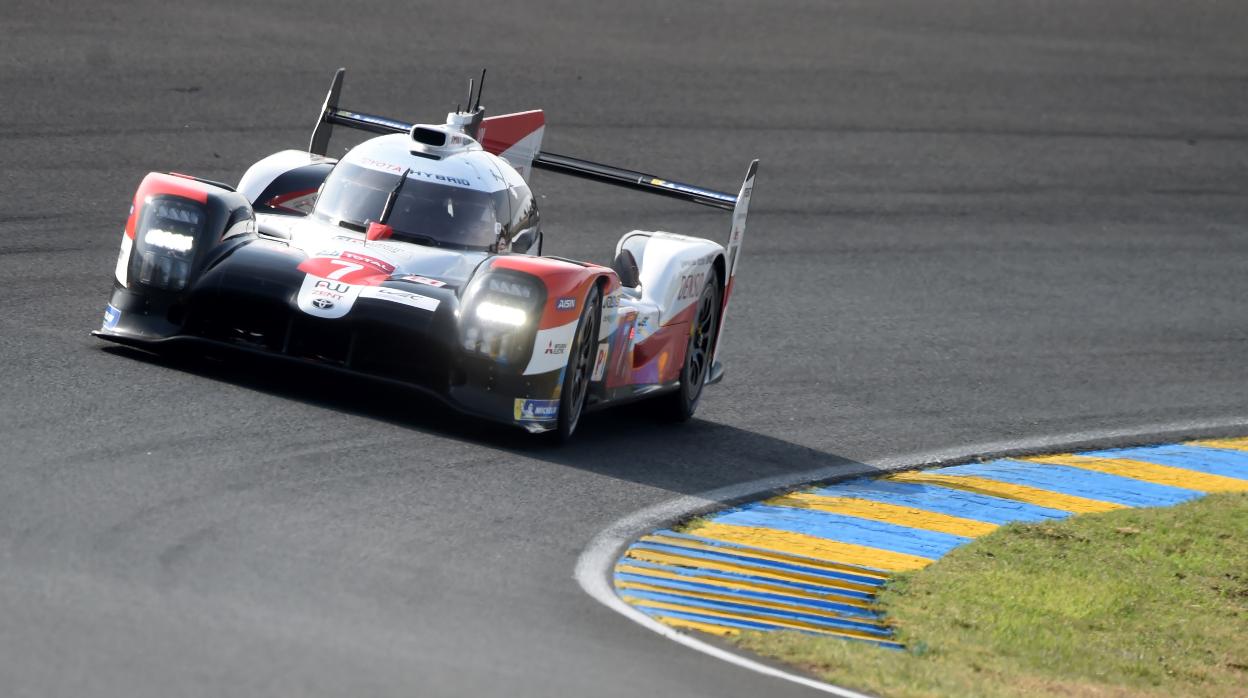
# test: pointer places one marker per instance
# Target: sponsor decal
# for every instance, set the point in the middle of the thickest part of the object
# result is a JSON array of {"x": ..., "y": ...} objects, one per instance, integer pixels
[
  {"x": 414, "y": 174},
  {"x": 412, "y": 300},
  {"x": 690, "y": 285},
  {"x": 422, "y": 280},
  {"x": 535, "y": 410},
  {"x": 346, "y": 266},
  {"x": 326, "y": 298},
  {"x": 511, "y": 289},
  {"x": 565, "y": 304},
  {"x": 600, "y": 363},
  {"x": 111, "y": 317},
  {"x": 550, "y": 349},
  {"x": 611, "y": 301},
  {"x": 373, "y": 262},
  {"x": 327, "y": 286},
  {"x": 699, "y": 262}
]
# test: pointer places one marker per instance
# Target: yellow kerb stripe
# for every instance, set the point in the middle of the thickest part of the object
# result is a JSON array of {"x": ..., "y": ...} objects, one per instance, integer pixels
[
  {"x": 813, "y": 546},
  {"x": 1020, "y": 493},
  {"x": 888, "y": 513},
  {"x": 734, "y": 585},
  {"x": 695, "y": 625},
  {"x": 784, "y": 622},
  {"x": 729, "y": 598},
  {"x": 1149, "y": 472},
  {"x": 1240, "y": 444},
  {"x": 768, "y": 555},
  {"x": 675, "y": 559}
]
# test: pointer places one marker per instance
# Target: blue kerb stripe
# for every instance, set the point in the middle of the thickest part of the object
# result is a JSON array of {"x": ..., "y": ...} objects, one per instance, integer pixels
[
  {"x": 729, "y": 607},
  {"x": 737, "y": 577},
  {"x": 845, "y": 529},
  {"x": 716, "y": 620},
  {"x": 1078, "y": 482},
  {"x": 844, "y": 609},
  {"x": 750, "y": 562},
  {"x": 942, "y": 500},
  {"x": 731, "y": 546},
  {"x": 1213, "y": 461},
  {"x": 751, "y": 625},
  {"x": 741, "y": 552}
]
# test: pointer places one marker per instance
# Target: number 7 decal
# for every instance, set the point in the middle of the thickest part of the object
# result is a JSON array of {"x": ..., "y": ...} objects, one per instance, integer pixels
[{"x": 347, "y": 268}]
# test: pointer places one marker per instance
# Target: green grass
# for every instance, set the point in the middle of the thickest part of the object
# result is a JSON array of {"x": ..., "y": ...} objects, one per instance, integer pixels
[{"x": 1133, "y": 602}]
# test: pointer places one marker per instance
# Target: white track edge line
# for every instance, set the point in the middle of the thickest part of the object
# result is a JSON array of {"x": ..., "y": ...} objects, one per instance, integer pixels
[{"x": 596, "y": 563}]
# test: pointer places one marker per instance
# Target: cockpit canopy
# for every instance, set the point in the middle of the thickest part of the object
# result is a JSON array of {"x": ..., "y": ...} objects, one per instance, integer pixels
[
  {"x": 455, "y": 196},
  {"x": 425, "y": 211}
]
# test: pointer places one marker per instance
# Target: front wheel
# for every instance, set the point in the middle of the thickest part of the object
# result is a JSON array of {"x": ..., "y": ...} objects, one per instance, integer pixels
[
  {"x": 681, "y": 403},
  {"x": 581, "y": 357}
]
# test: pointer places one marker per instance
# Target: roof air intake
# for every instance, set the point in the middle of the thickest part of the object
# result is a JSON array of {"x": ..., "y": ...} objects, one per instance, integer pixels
[{"x": 429, "y": 136}]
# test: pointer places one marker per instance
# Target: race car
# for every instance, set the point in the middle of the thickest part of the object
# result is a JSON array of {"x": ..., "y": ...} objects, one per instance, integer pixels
[{"x": 417, "y": 258}]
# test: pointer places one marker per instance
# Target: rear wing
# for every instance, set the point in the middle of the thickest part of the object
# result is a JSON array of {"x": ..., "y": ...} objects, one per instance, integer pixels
[{"x": 333, "y": 115}]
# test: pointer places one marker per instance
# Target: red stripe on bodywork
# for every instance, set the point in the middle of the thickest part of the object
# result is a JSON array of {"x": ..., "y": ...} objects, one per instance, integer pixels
[
  {"x": 156, "y": 183},
  {"x": 499, "y": 133},
  {"x": 279, "y": 200}
]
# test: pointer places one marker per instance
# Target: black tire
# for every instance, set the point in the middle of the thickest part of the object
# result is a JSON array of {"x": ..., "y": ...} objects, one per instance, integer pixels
[
  {"x": 581, "y": 356},
  {"x": 680, "y": 404}
]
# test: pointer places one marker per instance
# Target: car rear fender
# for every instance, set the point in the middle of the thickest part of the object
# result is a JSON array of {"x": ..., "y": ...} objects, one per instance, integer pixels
[{"x": 672, "y": 270}]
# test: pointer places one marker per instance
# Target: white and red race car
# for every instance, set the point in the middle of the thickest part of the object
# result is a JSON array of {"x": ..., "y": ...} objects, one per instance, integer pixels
[{"x": 416, "y": 258}]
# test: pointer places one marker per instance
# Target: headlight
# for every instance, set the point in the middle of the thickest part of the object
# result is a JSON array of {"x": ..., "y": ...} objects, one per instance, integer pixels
[
  {"x": 165, "y": 239},
  {"x": 502, "y": 314},
  {"x": 500, "y": 309}
]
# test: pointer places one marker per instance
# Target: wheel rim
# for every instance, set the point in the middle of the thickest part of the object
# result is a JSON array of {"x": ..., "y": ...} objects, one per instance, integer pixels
[{"x": 701, "y": 335}]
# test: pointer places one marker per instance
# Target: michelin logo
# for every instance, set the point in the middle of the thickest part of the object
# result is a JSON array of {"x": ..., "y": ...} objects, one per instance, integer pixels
[{"x": 536, "y": 410}]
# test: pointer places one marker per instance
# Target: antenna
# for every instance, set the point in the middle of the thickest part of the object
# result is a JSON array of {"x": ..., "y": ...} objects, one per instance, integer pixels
[
  {"x": 470, "y": 92},
  {"x": 480, "y": 88}
]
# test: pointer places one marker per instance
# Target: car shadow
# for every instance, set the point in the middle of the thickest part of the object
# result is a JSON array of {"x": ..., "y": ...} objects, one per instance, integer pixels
[{"x": 626, "y": 442}]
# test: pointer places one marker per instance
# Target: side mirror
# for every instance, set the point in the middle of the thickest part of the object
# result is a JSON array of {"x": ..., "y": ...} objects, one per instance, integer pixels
[{"x": 525, "y": 241}]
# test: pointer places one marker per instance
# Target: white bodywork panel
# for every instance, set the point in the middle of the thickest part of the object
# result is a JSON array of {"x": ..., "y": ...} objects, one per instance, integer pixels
[{"x": 674, "y": 268}]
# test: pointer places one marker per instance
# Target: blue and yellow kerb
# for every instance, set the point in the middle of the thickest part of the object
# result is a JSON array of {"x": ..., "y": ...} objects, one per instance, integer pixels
[{"x": 813, "y": 560}]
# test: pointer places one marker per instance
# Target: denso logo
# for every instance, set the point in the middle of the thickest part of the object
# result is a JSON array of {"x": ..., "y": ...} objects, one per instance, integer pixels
[{"x": 511, "y": 289}]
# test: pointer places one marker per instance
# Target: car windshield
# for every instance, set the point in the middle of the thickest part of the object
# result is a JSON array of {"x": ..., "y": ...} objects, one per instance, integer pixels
[{"x": 424, "y": 212}]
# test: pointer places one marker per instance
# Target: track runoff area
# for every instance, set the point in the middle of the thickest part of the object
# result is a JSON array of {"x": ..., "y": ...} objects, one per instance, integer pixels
[{"x": 813, "y": 560}]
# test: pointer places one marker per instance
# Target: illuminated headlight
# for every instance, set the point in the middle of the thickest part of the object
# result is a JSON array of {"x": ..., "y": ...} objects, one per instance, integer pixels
[
  {"x": 501, "y": 309},
  {"x": 165, "y": 238},
  {"x": 502, "y": 314},
  {"x": 170, "y": 241}
]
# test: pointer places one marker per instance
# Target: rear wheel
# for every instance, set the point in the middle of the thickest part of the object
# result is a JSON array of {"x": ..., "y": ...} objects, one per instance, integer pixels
[
  {"x": 581, "y": 357},
  {"x": 703, "y": 328}
]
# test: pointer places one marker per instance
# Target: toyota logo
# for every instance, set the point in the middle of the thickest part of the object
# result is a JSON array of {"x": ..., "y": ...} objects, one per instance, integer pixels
[{"x": 322, "y": 303}]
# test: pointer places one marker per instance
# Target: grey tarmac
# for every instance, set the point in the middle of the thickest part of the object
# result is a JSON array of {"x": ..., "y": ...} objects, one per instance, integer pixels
[{"x": 973, "y": 222}]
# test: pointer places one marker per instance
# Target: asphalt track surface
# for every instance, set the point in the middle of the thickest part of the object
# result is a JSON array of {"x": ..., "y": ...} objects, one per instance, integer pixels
[{"x": 973, "y": 221}]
